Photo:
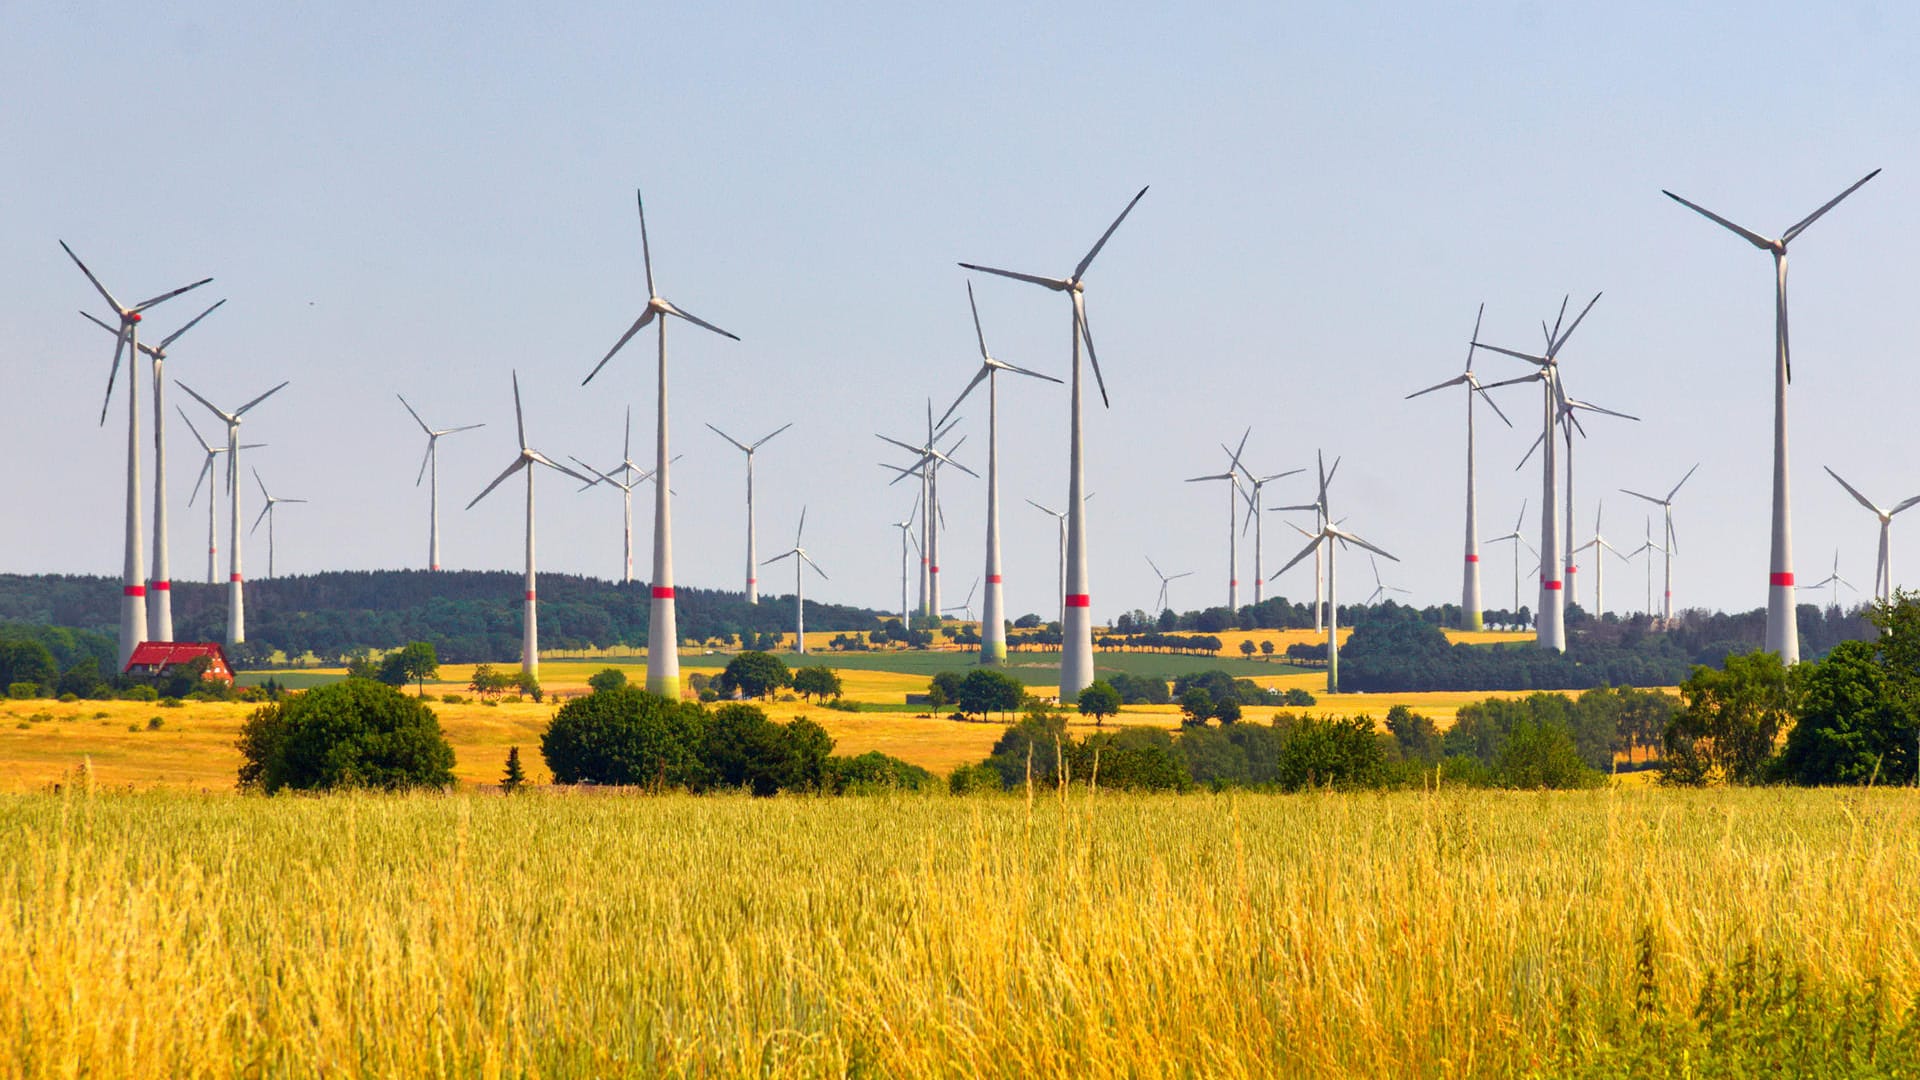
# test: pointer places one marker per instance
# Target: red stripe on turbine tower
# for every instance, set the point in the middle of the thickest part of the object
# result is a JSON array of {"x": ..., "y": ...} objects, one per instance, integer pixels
[
  {"x": 133, "y": 590},
  {"x": 663, "y": 592},
  {"x": 529, "y": 594},
  {"x": 1781, "y": 579},
  {"x": 1473, "y": 558},
  {"x": 1550, "y": 584},
  {"x": 233, "y": 577},
  {"x": 1079, "y": 600},
  {"x": 993, "y": 579},
  {"x": 164, "y": 586}
]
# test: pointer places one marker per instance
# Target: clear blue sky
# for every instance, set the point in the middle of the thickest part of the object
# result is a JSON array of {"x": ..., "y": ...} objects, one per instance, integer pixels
[{"x": 423, "y": 202}]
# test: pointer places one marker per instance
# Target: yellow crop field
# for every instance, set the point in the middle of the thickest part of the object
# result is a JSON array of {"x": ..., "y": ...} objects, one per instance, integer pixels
[{"x": 1622, "y": 932}]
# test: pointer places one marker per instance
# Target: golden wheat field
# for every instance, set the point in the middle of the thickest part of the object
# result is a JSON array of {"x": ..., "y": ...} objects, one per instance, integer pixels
[{"x": 1074, "y": 934}]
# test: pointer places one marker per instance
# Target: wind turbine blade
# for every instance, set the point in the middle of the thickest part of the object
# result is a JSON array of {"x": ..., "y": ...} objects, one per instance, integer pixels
[
  {"x": 797, "y": 533},
  {"x": 1534, "y": 377},
  {"x": 206, "y": 469},
  {"x": 1455, "y": 381},
  {"x": 1312, "y": 546},
  {"x": 190, "y": 391},
  {"x": 777, "y": 558},
  {"x": 1303, "y": 506},
  {"x": 626, "y": 439},
  {"x": 1517, "y": 355},
  {"x": 264, "y": 511},
  {"x": 416, "y": 416},
  {"x": 175, "y": 336},
  {"x": 263, "y": 485},
  {"x": 519, "y": 421},
  {"x": 462, "y": 427},
  {"x": 1086, "y": 334},
  {"x": 113, "y": 375},
  {"x": 1081, "y": 270},
  {"x": 1574, "y": 403},
  {"x": 816, "y": 567},
  {"x": 289, "y": 500},
  {"x": 1801, "y": 226},
  {"x": 242, "y": 410},
  {"x": 1751, "y": 237},
  {"x": 1027, "y": 371},
  {"x": 1494, "y": 405},
  {"x": 1683, "y": 482},
  {"x": 537, "y": 456},
  {"x": 978, "y": 333},
  {"x": 909, "y": 447},
  {"x": 170, "y": 294},
  {"x": 1476, "y": 335},
  {"x": 1056, "y": 284},
  {"x": 1562, "y": 339},
  {"x": 1237, "y": 451},
  {"x": 424, "y": 458},
  {"x": 1649, "y": 498},
  {"x": 646, "y": 251},
  {"x": 1859, "y": 498},
  {"x": 1181, "y": 574},
  {"x": 1220, "y": 476},
  {"x": 1043, "y": 509},
  {"x": 1904, "y": 504},
  {"x": 698, "y": 321},
  {"x": 518, "y": 464},
  {"x": 765, "y": 439},
  {"x": 102, "y": 289},
  {"x": 1156, "y": 569},
  {"x": 90, "y": 317},
  {"x": 736, "y": 442},
  {"x": 645, "y": 318},
  {"x": 196, "y": 431},
  {"x": 978, "y": 378},
  {"x": 1347, "y": 537}
]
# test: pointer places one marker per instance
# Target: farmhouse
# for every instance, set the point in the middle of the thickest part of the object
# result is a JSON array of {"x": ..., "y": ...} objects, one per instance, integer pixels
[{"x": 154, "y": 659}]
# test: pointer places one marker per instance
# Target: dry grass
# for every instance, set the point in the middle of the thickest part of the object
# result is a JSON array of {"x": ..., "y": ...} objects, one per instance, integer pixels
[{"x": 1319, "y": 935}]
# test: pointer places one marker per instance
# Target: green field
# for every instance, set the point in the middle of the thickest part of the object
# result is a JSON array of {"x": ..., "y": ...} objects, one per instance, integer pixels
[{"x": 1609, "y": 933}]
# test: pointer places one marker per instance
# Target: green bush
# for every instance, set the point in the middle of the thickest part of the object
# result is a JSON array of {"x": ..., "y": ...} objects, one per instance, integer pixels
[
  {"x": 170, "y": 703},
  {"x": 1134, "y": 758},
  {"x": 969, "y": 779},
  {"x": 874, "y": 771},
  {"x": 1543, "y": 756},
  {"x": 22, "y": 691},
  {"x": 625, "y": 736},
  {"x": 743, "y": 749},
  {"x": 140, "y": 693},
  {"x": 754, "y": 675},
  {"x": 69, "y": 697},
  {"x": 356, "y": 733},
  {"x": 607, "y": 679},
  {"x": 154, "y": 723},
  {"x": 1337, "y": 753}
]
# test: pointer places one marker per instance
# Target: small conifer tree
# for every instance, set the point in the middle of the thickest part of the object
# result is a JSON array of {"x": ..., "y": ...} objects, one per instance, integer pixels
[{"x": 516, "y": 777}]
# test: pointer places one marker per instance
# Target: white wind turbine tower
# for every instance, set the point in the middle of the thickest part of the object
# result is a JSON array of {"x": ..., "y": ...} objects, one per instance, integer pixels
[
  {"x": 1253, "y": 488},
  {"x": 1669, "y": 544},
  {"x": 1160, "y": 604},
  {"x": 1470, "y": 584},
  {"x": 753, "y": 583},
  {"x": 1518, "y": 540},
  {"x": 799, "y": 555},
  {"x": 135, "y": 625},
  {"x": 206, "y": 473},
  {"x": 1570, "y": 408},
  {"x": 1076, "y": 628},
  {"x": 1320, "y": 519},
  {"x": 906, "y": 533},
  {"x": 1832, "y": 583},
  {"x": 431, "y": 463},
  {"x": 1648, "y": 549},
  {"x": 160, "y": 592},
  {"x": 1883, "y": 566},
  {"x": 1783, "y": 637},
  {"x": 663, "y": 629},
  {"x": 1599, "y": 545},
  {"x": 268, "y": 515},
  {"x": 993, "y": 627},
  {"x": 1232, "y": 477},
  {"x": 1059, "y": 516},
  {"x": 527, "y": 459},
  {"x": 236, "y": 596},
  {"x": 1551, "y": 619},
  {"x": 965, "y": 607},
  {"x": 1328, "y": 535}
]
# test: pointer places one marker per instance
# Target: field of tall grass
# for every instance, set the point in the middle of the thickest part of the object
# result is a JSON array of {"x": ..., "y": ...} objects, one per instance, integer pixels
[{"x": 1084, "y": 934}]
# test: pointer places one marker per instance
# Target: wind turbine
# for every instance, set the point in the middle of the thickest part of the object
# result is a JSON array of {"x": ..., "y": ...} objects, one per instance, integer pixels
[
  {"x": 906, "y": 533},
  {"x": 1599, "y": 544},
  {"x": 1648, "y": 549},
  {"x": 1160, "y": 604},
  {"x": 1518, "y": 540},
  {"x": 1232, "y": 477},
  {"x": 1551, "y": 619},
  {"x": 965, "y": 607},
  {"x": 431, "y": 463},
  {"x": 1783, "y": 637},
  {"x": 1470, "y": 582},
  {"x": 1061, "y": 517},
  {"x": 753, "y": 583},
  {"x": 1320, "y": 519},
  {"x": 1670, "y": 544},
  {"x": 1076, "y": 627},
  {"x": 631, "y": 476},
  {"x": 663, "y": 629},
  {"x": 236, "y": 596},
  {"x": 526, "y": 459},
  {"x": 135, "y": 625},
  {"x": 928, "y": 469},
  {"x": 799, "y": 555},
  {"x": 993, "y": 626},
  {"x": 1832, "y": 583},
  {"x": 1882, "y": 567},
  {"x": 1329, "y": 534},
  {"x": 1570, "y": 408},
  {"x": 1253, "y": 488},
  {"x": 1381, "y": 588},
  {"x": 160, "y": 604},
  {"x": 267, "y": 514},
  {"x": 206, "y": 471}
]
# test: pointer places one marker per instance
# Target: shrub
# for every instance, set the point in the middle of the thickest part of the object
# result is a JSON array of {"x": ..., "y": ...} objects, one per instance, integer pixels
[
  {"x": 1296, "y": 698},
  {"x": 515, "y": 777},
  {"x": 140, "y": 693},
  {"x": 356, "y": 733},
  {"x": 753, "y": 674},
  {"x": 453, "y": 699},
  {"x": 875, "y": 771},
  {"x": 1134, "y": 758},
  {"x": 154, "y": 723},
  {"x": 1339, "y": 753},
  {"x": 1040, "y": 737},
  {"x": 744, "y": 749},
  {"x": 1543, "y": 756},
  {"x": 1099, "y": 700},
  {"x": 1227, "y": 712},
  {"x": 170, "y": 703},
  {"x": 625, "y": 736},
  {"x": 968, "y": 779},
  {"x": 69, "y": 697},
  {"x": 1196, "y": 705},
  {"x": 607, "y": 679},
  {"x": 22, "y": 691}
]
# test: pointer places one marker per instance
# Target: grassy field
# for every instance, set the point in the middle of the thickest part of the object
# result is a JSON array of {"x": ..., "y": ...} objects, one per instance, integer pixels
[{"x": 1652, "y": 933}]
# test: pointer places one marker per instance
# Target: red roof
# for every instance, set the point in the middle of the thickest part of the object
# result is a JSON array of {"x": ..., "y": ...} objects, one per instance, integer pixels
[{"x": 168, "y": 653}]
